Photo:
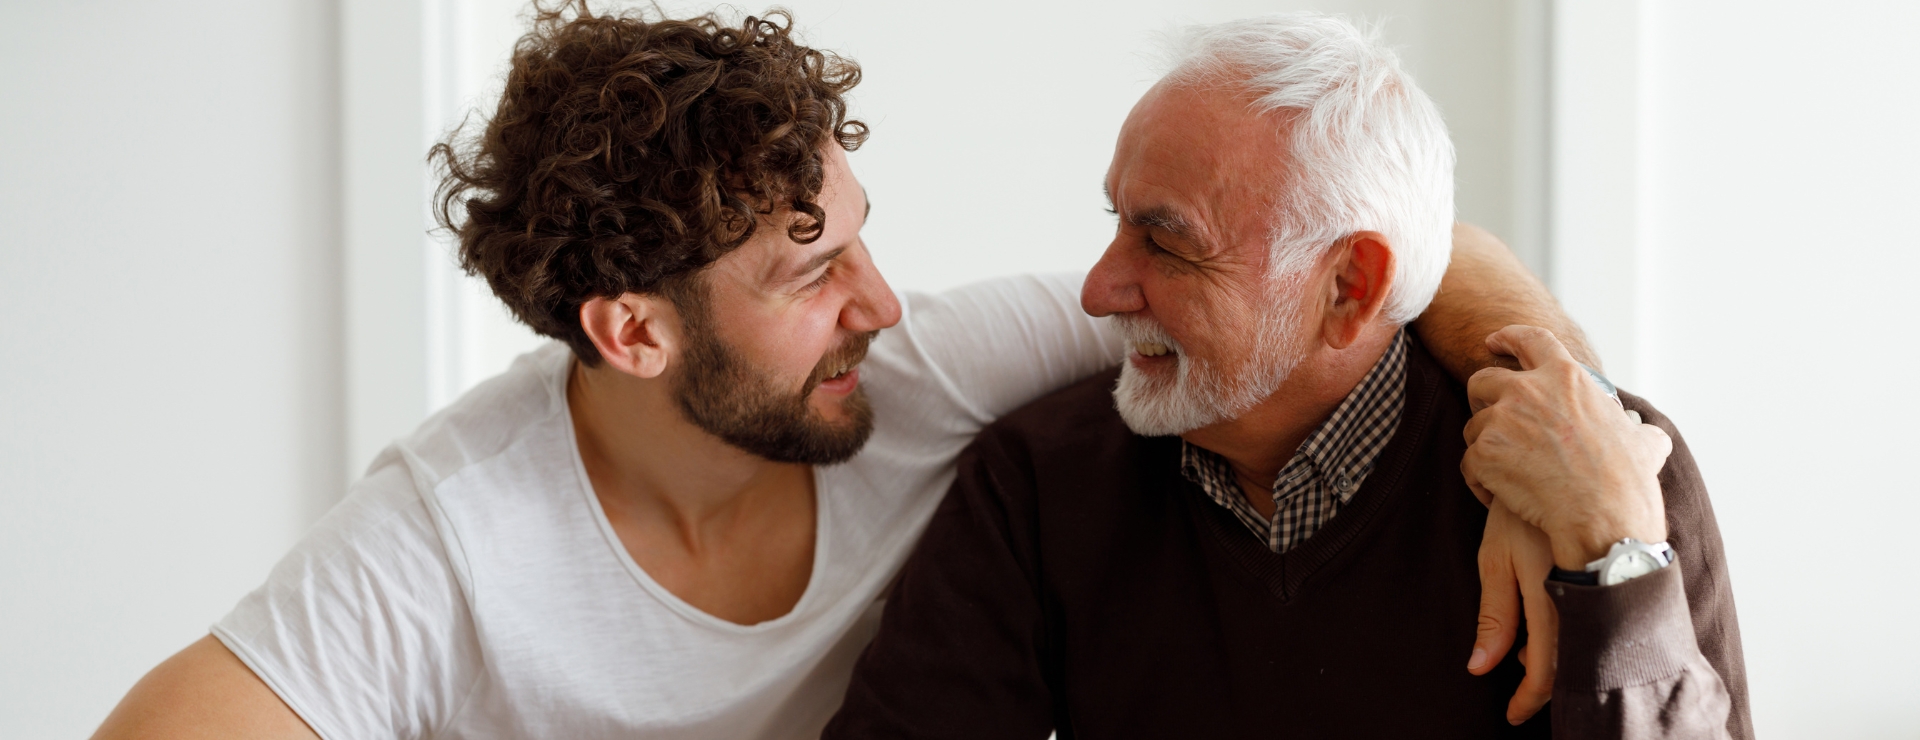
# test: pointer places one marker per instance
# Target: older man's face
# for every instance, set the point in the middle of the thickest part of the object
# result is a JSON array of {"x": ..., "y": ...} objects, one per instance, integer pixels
[{"x": 1189, "y": 273}]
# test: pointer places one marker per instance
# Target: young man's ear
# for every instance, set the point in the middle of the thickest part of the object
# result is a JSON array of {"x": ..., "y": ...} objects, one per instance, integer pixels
[
  {"x": 636, "y": 334},
  {"x": 1362, "y": 276}
]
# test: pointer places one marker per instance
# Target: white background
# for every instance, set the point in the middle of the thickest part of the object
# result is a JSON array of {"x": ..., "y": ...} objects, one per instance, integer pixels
[{"x": 217, "y": 298}]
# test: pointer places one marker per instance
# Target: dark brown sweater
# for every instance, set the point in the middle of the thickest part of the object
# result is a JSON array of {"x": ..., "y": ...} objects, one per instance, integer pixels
[{"x": 1073, "y": 580}]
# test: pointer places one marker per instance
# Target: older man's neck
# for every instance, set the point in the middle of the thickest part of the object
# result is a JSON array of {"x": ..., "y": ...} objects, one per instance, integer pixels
[{"x": 1260, "y": 442}]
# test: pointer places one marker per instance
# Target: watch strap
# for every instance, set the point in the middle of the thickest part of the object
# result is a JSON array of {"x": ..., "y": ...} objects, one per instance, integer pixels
[{"x": 1575, "y": 577}]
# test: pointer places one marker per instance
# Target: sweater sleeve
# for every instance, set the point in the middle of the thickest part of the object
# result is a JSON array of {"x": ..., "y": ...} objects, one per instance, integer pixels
[
  {"x": 958, "y": 651},
  {"x": 1658, "y": 656}
]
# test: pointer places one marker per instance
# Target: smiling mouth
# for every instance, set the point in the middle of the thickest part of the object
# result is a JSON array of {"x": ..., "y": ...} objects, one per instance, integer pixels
[
  {"x": 843, "y": 376},
  {"x": 1151, "y": 349},
  {"x": 835, "y": 371}
]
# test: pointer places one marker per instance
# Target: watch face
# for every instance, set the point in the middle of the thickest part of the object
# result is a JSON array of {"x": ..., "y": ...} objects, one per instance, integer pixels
[{"x": 1628, "y": 567}]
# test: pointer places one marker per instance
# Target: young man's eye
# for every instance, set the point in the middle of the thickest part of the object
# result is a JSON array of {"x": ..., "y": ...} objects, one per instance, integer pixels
[{"x": 822, "y": 280}]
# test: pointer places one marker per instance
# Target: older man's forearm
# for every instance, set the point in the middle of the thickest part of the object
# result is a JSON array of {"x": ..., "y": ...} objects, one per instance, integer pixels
[
  {"x": 1485, "y": 289},
  {"x": 1630, "y": 668},
  {"x": 1659, "y": 656}
]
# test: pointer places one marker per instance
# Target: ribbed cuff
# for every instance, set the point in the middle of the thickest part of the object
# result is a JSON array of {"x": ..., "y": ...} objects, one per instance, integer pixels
[{"x": 1623, "y": 635}]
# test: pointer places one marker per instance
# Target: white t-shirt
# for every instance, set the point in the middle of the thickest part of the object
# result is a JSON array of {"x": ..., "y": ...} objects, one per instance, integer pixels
[{"x": 470, "y": 586}]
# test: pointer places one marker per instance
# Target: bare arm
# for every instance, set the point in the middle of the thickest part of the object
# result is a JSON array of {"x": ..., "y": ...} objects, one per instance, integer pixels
[
  {"x": 1486, "y": 289},
  {"x": 203, "y": 691}
]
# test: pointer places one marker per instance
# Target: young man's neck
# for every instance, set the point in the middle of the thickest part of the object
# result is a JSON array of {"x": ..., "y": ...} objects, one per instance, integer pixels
[
  {"x": 643, "y": 456},
  {"x": 1260, "y": 442},
  {"x": 729, "y": 533}
]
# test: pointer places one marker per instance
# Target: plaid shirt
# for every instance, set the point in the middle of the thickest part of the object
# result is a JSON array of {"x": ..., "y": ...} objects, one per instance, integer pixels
[{"x": 1327, "y": 469}]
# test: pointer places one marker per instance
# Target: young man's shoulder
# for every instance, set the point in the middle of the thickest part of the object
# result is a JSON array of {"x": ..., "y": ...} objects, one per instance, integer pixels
[{"x": 526, "y": 403}]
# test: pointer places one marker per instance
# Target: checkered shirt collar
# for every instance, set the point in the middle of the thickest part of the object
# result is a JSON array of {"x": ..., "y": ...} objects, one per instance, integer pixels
[{"x": 1329, "y": 466}]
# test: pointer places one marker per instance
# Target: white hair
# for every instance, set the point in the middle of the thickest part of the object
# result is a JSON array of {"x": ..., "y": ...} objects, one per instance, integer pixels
[{"x": 1369, "y": 151}]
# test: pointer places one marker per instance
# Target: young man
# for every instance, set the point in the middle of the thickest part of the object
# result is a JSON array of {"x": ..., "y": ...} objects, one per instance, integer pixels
[{"x": 680, "y": 519}]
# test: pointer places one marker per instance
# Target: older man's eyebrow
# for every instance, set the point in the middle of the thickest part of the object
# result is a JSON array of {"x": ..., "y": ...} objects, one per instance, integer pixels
[{"x": 1161, "y": 217}]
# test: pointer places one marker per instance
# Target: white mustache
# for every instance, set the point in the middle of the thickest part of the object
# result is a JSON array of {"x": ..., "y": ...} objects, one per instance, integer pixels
[{"x": 1139, "y": 330}]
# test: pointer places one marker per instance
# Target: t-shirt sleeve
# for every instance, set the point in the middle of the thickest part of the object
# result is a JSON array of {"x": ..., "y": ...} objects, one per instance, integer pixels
[
  {"x": 977, "y": 352},
  {"x": 363, "y": 629}
]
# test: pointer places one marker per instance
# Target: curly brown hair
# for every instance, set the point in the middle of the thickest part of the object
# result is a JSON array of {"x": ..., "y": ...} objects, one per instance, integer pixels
[{"x": 629, "y": 152}]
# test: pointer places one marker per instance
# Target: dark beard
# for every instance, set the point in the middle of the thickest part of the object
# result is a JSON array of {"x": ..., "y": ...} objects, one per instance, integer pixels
[{"x": 721, "y": 393}]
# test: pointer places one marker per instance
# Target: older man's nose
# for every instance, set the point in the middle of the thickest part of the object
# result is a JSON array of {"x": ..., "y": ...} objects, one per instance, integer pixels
[{"x": 1112, "y": 285}]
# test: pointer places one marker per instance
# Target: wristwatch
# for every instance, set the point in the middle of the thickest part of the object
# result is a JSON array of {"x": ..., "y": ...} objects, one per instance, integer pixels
[
  {"x": 1626, "y": 560},
  {"x": 1605, "y": 385},
  {"x": 1613, "y": 392}
]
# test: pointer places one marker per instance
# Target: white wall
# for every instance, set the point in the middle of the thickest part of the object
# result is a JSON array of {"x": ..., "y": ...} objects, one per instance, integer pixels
[
  {"x": 169, "y": 330},
  {"x": 1782, "y": 196},
  {"x": 1769, "y": 258}
]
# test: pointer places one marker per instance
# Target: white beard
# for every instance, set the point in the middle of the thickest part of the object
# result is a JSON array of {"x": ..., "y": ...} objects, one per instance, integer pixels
[{"x": 1200, "y": 393}]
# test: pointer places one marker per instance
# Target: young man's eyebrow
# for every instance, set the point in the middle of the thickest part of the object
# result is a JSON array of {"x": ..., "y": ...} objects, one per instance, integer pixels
[{"x": 815, "y": 263}]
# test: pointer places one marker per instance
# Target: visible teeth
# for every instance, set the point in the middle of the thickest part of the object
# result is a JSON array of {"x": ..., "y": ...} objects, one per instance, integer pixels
[{"x": 1150, "y": 349}]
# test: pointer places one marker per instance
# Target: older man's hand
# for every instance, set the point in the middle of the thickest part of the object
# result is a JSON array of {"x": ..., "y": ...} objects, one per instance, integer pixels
[
  {"x": 1553, "y": 448},
  {"x": 1514, "y": 560}
]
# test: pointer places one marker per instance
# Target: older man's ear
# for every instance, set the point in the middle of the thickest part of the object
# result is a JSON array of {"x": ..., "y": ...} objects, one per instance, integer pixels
[{"x": 1360, "y": 275}]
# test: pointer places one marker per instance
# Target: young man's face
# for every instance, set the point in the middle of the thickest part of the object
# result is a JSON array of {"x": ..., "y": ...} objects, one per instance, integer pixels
[{"x": 772, "y": 362}]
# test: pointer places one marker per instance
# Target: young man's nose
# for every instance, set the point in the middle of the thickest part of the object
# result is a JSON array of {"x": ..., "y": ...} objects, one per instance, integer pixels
[{"x": 872, "y": 305}]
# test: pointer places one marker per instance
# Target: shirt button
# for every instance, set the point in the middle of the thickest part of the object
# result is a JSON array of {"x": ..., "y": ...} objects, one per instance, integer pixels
[{"x": 1344, "y": 483}]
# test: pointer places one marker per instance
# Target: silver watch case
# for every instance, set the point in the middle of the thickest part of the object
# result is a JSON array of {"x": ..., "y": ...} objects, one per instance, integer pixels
[{"x": 1629, "y": 559}]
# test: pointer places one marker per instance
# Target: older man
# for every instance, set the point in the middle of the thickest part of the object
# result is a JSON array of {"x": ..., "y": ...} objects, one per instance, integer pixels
[{"x": 1260, "y": 525}]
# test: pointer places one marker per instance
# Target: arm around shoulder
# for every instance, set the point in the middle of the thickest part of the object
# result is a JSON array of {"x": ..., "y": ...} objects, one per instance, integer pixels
[
  {"x": 1485, "y": 289},
  {"x": 995, "y": 345}
]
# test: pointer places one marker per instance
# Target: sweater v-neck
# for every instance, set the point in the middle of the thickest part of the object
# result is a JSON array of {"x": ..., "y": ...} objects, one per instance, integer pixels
[{"x": 1286, "y": 574}]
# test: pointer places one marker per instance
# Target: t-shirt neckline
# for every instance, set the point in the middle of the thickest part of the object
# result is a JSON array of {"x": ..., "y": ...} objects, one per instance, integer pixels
[{"x": 557, "y": 390}]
